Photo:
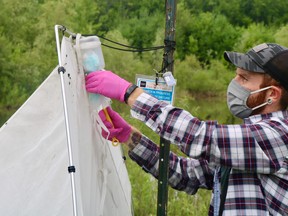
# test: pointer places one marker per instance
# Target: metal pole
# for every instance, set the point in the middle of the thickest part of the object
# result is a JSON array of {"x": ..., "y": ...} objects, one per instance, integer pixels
[
  {"x": 71, "y": 167},
  {"x": 168, "y": 60}
]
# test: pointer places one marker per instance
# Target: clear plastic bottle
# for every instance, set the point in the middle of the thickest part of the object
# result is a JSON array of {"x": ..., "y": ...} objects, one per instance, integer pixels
[
  {"x": 91, "y": 52},
  {"x": 93, "y": 60}
]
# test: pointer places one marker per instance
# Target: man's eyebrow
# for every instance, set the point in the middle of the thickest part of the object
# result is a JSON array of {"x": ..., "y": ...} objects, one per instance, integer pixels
[{"x": 243, "y": 73}]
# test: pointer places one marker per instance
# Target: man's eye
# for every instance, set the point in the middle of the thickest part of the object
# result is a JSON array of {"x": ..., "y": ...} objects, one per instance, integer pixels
[{"x": 243, "y": 77}]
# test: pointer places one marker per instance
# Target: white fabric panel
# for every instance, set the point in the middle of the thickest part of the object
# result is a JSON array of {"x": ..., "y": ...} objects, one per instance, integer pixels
[{"x": 34, "y": 158}]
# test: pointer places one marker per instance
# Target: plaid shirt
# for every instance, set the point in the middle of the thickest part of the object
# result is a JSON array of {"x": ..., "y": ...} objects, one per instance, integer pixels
[{"x": 257, "y": 152}]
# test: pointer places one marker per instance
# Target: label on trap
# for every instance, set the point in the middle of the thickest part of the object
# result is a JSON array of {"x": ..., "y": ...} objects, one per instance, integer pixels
[{"x": 161, "y": 91}]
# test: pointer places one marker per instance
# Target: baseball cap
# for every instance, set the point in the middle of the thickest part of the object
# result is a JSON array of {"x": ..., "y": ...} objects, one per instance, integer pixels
[{"x": 267, "y": 58}]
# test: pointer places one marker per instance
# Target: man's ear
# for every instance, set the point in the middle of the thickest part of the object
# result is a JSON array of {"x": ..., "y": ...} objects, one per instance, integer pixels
[{"x": 275, "y": 93}]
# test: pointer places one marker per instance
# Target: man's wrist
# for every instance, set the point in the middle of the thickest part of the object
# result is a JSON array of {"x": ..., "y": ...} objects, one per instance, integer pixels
[
  {"x": 133, "y": 97},
  {"x": 134, "y": 138}
]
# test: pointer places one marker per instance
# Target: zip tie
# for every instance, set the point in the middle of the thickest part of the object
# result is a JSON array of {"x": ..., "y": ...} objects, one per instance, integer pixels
[{"x": 71, "y": 169}]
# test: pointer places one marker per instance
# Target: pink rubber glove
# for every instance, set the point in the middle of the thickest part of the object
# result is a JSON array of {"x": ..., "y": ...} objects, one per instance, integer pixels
[
  {"x": 108, "y": 84},
  {"x": 120, "y": 129}
]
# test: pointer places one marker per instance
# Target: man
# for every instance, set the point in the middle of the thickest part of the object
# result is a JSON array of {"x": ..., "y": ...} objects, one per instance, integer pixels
[{"x": 246, "y": 165}]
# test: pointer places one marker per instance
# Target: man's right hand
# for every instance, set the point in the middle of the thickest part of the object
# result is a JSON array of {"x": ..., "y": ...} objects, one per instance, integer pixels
[{"x": 108, "y": 84}]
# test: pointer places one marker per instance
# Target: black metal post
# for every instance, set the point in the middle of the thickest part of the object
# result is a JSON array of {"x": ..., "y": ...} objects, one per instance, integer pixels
[{"x": 168, "y": 63}]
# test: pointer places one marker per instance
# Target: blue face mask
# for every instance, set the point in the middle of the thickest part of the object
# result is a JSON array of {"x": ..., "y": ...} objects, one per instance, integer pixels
[{"x": 237, "y": 97}]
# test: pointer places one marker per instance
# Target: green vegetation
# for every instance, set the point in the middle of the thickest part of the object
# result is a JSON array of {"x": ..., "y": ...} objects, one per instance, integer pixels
[{"x": 204, "y": 29}]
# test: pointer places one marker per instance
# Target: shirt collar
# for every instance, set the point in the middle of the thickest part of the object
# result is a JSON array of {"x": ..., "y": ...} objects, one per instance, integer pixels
[{"x": 260, "y": 117}]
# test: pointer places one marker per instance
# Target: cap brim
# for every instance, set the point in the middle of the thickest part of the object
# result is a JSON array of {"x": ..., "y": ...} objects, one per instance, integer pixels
[{"x": 243, "y": 61}]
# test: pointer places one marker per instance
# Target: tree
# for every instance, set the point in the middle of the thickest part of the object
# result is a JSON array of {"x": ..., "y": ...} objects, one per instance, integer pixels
[
  {"x": 206, "y": 35},
  {"x": 281, "y": 36},
  {"x": 243, "y": 13}
]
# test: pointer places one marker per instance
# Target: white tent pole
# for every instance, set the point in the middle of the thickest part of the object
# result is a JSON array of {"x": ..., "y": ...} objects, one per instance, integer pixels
[{"x": 61, "y": 70}]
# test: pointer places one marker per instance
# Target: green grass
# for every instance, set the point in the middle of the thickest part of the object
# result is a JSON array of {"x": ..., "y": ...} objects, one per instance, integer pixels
[{"x": 144, "y": 196}]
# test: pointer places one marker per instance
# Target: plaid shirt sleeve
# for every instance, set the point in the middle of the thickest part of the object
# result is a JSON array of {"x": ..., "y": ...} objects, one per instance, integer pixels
[{"x": 185, "y": 174}]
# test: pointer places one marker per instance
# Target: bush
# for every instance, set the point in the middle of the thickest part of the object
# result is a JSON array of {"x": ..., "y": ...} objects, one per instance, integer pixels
[{"x": 255, "y": 34}]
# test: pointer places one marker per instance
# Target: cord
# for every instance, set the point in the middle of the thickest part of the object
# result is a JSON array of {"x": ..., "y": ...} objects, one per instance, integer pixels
[{"x": 131, "y": 48}]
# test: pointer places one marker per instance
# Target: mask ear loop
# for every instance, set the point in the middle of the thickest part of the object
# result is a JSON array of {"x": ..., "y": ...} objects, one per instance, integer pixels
[
  {"x": 261, "y": 105},
  {"x": 269, "y": 101},
  {"x": 259, "y": 90}
]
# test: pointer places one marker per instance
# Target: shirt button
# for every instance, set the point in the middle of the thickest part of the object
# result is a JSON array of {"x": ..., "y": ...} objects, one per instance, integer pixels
[{"x": 158, "y": 129}]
